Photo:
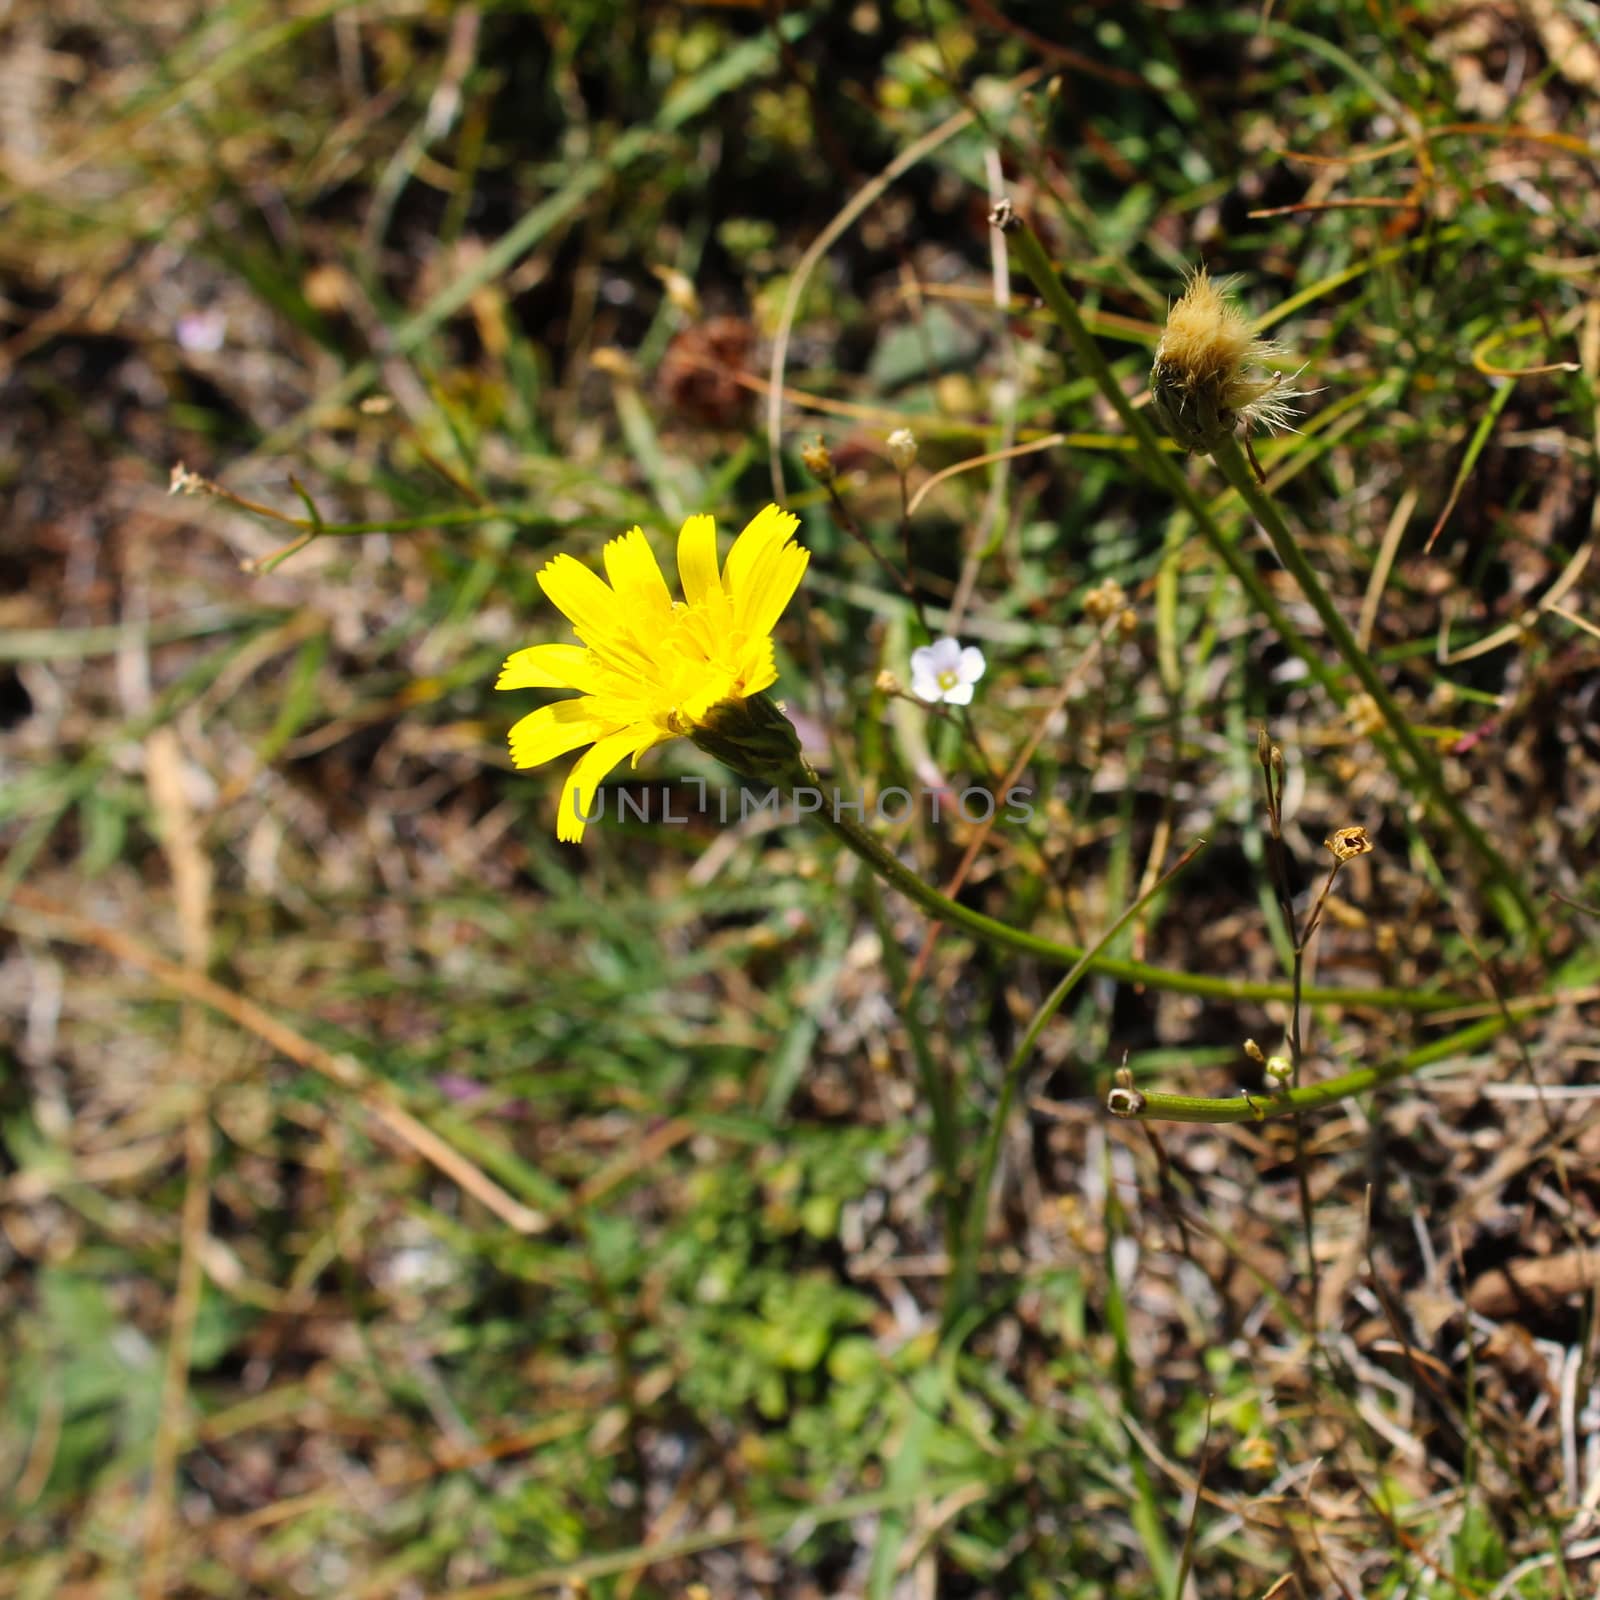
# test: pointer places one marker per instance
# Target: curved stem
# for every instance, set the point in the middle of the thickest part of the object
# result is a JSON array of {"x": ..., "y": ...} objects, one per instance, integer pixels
[
  {"x": 897, "y": 875},
  {"x": 1133, "y": 1105}
]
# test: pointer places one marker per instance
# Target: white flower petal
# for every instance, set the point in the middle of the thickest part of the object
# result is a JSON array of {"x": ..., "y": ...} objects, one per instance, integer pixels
[
  {"x": 961, "y": 695},
  {"x": 972, "y": 664},
  {"x": 922, "y": 661},
  {"x": 925, "y": 686},
  {"x": 945, "y": 655}
]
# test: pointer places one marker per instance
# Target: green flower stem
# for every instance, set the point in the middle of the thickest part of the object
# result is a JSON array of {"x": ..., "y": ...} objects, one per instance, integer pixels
[
  {"x": 1230, "y": 459},
  {"x": 1031, "y": 257},
  {"x": 899, "y": 876},
  {"x": 964, "y": 1280},
  {"x": 1135, "y": 1106},
  {"x": 754, "y": 738},
  {"x": 935, "y": 1084}
]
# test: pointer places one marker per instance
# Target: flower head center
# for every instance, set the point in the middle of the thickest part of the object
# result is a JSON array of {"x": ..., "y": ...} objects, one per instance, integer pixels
[{"x": 949, "y": 678}]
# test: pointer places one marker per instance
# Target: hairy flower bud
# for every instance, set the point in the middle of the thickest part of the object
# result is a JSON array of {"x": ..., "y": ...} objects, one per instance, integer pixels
[{"x": 1207, "y": 381}]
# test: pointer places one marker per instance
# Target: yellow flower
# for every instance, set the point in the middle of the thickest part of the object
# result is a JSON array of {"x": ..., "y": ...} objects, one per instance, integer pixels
[{"x": 650, "y": 668}]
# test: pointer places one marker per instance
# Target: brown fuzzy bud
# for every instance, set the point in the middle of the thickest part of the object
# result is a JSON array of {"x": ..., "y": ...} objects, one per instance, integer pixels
[
  {"x": 703, "y": 373},
  {"x": 1207, "y": 381}
]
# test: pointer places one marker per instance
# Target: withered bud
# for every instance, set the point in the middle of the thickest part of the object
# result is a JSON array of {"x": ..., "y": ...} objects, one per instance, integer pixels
[
  {"x": 1105, "y": 601},
  {"x": 1348, "y": 843},
  {"x": 1128, "y": 623},
  {"x": 703, "y": 371},
  {"x": 183, "y": 481},
  {"x": 614, "y": 363},
  {"x": 887, "y": 683},
  {"x": 1124, "y": 1100},
  {"x": 817, "y": 459},
  {"x": 1362, "y": 713},
  {"x": 902, "y": 445},
  {"x": 678, "y": 288},
  {"x": 1253, "y": 1050},
  {"x": 1207, "y": 381}
]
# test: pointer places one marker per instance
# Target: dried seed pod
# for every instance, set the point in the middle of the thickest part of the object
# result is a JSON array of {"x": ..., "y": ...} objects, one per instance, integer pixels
[
  {"x": 700, "y": 372},
  {"x": 1348, "y": 843}
]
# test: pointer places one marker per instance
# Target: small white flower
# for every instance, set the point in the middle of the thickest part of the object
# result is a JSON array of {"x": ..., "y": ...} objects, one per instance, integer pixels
[{"x": 945, "y": 670}]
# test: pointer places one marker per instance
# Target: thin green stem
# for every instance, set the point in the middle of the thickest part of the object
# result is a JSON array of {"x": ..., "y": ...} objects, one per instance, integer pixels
[
  {"x": 525, "y": 516},
  {"x": 1035, "y": 262},
  {"x": 936, "y": 1087},
  {"x": 1162, "y": 467},
  {"x": 1136, "y": 1106},
  {"x": 965, "y": 1276},
  {"x": 1230, "y": 459},
  {"x": 899, "y": 876}
]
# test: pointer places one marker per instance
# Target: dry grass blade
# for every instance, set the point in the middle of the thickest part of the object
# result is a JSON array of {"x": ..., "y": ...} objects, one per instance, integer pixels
[{"x": 342, "y": 1070}]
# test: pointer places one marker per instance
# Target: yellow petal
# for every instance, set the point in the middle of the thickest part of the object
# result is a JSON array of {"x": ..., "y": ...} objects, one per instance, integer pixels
[
  {"x": 757, "y": 668},
  {"x": 554, "y": 730},
  {"x": 640, "y": 589},
  {"x": 767, "y": 530},
  {"x": 577, "y": 794},
  {"x": 582, "y": 597},
  {"x": 694, "y": 704},
  {"x": 768, "y": 587},
  {"x": 547, "y": 666},
  {"x": 697, "y": 559}
]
